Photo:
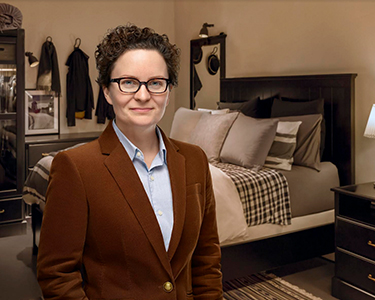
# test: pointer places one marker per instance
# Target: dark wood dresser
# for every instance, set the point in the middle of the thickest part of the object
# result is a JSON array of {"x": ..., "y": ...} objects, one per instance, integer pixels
[{"x": 355, "y": 242}]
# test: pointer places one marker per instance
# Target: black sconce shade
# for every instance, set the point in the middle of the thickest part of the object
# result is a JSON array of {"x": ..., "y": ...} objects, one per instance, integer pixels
[
  {"x": 33, "y": 61},
  {"x": 204, "y": 31}
]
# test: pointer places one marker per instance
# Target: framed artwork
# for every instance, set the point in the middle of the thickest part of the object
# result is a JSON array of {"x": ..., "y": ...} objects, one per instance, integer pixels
[{"x": 41, "y": 112}]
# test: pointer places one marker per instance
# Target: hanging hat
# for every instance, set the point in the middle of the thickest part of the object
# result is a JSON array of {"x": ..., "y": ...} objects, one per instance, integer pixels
[
  {"x": 197, "y": 55},
  {"x": 213, "y": 63},
  {"x": 10, "y": 17}
]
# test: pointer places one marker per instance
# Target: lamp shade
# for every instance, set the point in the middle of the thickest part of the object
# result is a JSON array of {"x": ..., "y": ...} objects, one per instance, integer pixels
[
  {"x": 370, "y": 127},
  {"x": 204, "y": 31}
]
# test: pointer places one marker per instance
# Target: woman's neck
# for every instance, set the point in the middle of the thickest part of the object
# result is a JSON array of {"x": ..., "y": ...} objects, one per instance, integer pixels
[{"x": 146, "y": 140}]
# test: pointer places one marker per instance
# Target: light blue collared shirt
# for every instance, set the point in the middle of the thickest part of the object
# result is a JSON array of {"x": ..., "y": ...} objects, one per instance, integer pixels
[{"x": 155, "y": 180}]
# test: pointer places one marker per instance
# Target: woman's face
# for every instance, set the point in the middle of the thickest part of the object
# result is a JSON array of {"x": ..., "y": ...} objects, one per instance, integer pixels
[{"x": 142, "y": 109}]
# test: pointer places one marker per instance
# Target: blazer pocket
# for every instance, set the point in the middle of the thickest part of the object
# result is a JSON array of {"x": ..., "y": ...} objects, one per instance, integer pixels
[{"x": 193, "y": 189}]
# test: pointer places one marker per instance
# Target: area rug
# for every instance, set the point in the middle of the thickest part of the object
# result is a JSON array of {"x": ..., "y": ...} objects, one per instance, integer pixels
[{"x": 264, "y": 286}]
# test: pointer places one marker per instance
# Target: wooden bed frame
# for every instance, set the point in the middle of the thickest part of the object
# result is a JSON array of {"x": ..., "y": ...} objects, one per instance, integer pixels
[{"x": 338, "y": 93}]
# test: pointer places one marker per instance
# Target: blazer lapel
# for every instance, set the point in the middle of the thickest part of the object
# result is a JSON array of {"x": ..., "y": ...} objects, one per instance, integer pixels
[
  {"x": 177, "y": 174},
  {"x": 124, "y": 173}
]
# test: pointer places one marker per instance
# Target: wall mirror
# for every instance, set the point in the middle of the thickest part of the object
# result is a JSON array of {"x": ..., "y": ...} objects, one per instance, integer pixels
[{"x": 206, "y": 71}]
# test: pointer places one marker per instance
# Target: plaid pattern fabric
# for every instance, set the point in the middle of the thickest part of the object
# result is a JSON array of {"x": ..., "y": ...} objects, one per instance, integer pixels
[{"x": 264, "y": 194}]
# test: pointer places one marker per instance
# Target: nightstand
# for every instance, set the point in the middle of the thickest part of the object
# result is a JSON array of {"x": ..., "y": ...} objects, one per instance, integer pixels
[{"x": 355, "y": 242}]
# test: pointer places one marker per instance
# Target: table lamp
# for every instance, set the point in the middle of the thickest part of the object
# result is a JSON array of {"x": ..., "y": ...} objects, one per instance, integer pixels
[{"x": 370, "y": 127}]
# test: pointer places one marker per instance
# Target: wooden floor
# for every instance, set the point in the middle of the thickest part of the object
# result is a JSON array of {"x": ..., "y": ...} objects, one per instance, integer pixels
[{"x": 18, "y": 269}]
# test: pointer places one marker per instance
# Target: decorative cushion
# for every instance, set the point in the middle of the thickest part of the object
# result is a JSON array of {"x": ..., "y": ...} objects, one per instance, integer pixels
[
  {"x": 307, "y": 151},
  {"x": 287, "y": 107},
  {"x": 280, "y": 155},
  {"x": 255, "y": 108},
  {"x": 184, "y": 122},
  {"x": 249, "y": 141},
  {"x": 296, "y": 107},
  {"x": 211, "y": 131}
]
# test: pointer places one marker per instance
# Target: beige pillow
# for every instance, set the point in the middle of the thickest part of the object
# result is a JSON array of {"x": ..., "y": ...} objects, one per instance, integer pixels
[
  {"x": 184, "y": 122},
  {"x": 211, "y": 131},
  {"x": 249, "y": 141},
  {"x": 307, "y": 151}
]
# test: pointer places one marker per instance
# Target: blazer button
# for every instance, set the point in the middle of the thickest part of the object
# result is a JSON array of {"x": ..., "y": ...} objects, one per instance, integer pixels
[{"x": 168, "y": 287}]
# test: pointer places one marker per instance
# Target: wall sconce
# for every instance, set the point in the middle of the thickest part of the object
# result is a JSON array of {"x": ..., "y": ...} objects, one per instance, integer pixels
[
  {"x": 33, "y": 61},
  {"x": 204, "y": 31}
]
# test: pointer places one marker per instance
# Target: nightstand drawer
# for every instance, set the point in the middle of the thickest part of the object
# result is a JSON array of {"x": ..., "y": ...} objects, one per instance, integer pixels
[
  {"x": 356, "y": 237},
  {"x": 11, "y": 210},
  {"x": 355, "y": 270}
]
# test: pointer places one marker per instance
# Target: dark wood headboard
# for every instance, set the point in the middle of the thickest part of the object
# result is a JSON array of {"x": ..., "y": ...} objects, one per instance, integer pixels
[{"x": 338, "y": 93}]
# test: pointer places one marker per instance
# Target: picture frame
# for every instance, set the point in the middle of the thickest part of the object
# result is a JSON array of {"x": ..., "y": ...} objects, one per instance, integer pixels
[{"x": 41, "y": 112}]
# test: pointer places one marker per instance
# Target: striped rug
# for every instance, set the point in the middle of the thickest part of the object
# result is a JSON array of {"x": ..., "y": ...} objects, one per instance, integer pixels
[{"x": 264, "y": 286}]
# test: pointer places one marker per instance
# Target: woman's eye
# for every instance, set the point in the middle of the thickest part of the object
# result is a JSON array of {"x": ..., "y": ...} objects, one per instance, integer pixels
[
  {"x": 155, "y": 83},
  {"x": 128, "y": 82}
]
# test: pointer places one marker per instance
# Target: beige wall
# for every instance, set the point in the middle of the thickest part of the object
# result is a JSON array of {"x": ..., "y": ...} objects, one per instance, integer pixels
[
  {"x": 88, "y": 20},
  {"x": 282, "y": 37},
  {"x": 265, "y": 37}
]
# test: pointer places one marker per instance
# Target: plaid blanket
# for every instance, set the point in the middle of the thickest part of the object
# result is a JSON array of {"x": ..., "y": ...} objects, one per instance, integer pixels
[{"x": 264, "y": 194}]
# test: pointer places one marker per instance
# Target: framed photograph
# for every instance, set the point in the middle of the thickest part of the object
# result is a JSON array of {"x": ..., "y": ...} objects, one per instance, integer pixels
[{"x": 41, "y": 112}]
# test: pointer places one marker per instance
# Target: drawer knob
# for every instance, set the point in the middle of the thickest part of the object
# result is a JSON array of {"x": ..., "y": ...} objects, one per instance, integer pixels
[
  {"x": 370, "y": 277},
  {"x": 2, "y": 211},
  {"x": 370, "y": 244}
]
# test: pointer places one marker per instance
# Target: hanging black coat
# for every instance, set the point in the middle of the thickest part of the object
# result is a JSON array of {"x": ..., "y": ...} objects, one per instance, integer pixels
[
  {"x": 48, "y": 64},
  {"x": 79, "y": 94}
]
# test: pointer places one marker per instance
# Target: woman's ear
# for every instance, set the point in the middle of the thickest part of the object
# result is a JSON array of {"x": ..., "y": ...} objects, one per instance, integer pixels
[{"x": 107, "y": 94}]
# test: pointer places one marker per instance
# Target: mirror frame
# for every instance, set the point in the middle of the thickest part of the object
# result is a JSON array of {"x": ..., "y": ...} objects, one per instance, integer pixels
[{"x": 211, "y": 40}]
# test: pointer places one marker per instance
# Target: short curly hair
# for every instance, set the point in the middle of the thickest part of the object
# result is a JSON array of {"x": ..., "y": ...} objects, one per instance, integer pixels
[{"x": 129, "y": 37}]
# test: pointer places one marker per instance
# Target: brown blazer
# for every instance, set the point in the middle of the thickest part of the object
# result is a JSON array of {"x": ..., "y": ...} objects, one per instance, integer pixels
[{"x": 98, "y": 218}]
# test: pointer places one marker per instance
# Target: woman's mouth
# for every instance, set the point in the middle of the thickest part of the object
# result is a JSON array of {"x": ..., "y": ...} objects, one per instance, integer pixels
[{"x": 141, "y": 109}]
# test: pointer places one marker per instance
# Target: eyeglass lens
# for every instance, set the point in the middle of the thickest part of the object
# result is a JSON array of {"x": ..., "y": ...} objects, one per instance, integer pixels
[{"x": 132, "y": 85}]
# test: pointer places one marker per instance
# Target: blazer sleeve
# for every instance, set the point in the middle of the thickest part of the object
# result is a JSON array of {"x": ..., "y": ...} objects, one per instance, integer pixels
[
  {"x": 63, "y": 232},
  {"x": 206, "y": 274}
]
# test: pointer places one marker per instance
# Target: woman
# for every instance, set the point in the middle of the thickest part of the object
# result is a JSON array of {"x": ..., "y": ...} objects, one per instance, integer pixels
[{"x": 132, "y": 214}]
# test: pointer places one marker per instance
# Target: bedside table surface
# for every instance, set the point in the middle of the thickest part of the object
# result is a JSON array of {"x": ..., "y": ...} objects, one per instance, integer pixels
[{"x": 363, "y": 190}]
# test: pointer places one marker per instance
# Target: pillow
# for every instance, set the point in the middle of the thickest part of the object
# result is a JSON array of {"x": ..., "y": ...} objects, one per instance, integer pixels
[
  {"x": 215, "y": 111},
  {"x": 291, "y": 107},
  {"x": 248, "y": 141},
  {"x": 294, "y": 107},
  {"x": 255, "y": 108},
  {"x": 211, "y": 131},
  {"x": 184, "y": 122},
  {"x": 307, "y": 151},
  {"x": 280, "y": 155}
]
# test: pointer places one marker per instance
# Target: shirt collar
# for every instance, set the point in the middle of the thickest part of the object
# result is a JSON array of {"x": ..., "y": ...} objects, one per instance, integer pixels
[{"x": 132, "y": 150}]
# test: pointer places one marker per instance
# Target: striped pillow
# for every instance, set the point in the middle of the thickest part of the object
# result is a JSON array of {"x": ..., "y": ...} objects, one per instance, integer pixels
[{"x": 281, "y": 152}]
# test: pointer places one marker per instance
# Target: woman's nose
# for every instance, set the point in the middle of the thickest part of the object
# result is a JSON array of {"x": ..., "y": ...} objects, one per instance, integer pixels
[{"x": 142, "y": 94}]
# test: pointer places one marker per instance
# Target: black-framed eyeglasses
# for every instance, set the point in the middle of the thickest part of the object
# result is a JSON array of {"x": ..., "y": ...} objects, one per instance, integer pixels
[{"x": 132, "y": 85}]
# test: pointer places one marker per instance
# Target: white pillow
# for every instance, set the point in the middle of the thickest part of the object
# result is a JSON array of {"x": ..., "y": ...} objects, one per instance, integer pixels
[{"x": 215, "y": 111}]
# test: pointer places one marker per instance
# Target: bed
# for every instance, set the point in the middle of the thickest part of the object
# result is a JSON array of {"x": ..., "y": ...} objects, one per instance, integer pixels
[
  {"x": 311, "y": 235},
  {"x": 304, "y": 231}
]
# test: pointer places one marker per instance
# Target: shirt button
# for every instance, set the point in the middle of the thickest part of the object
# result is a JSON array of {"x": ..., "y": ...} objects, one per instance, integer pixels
[
  {"x": 138, "y": 154},
  {"x": 152, "y": 178},
  {"x": 168, "y": 287},
  {"x": 160, "y": 213}
]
